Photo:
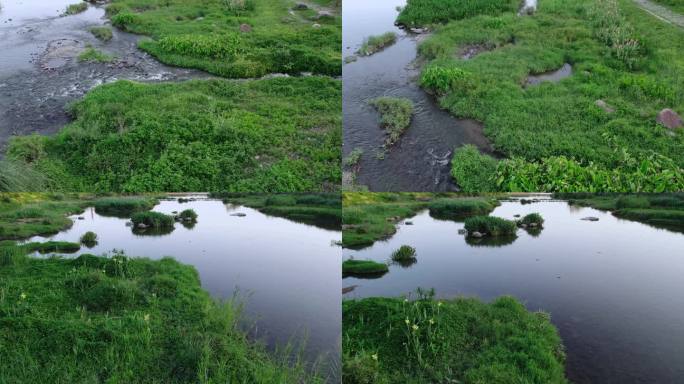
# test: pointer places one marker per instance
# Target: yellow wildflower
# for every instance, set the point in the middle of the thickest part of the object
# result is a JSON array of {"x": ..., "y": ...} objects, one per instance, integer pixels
[
  {"x": 415, "y": 327},
  {"x": 375, "y": 356},
  {"x": 23, "y": 296}
]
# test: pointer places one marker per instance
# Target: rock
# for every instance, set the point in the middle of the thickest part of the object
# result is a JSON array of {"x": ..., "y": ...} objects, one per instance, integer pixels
[
  {"x": 462, "y": 231},
  {"x": 409, "y": 223},
  {"x": 129, "y": 224},
  {"x": 528, "y": 7},
  {"x": 316, "y": 25},
  {"x": 174, "y": 212},
  {"x": 523, "y": 225},
  {"x": 325, "y": 15},
  {"x": 476, "y": 234},
  {"x": 350, "y": 59},
  {"x": 348, "y": 226},
  {"x": 418, "y": 30},
  {"x": 300, "y": 7},
  {"x": 239, "y": 214},
  {"x": 81, "y": 218},
  {"x": 516, "y": 215},
  {"x": 590, "y": 218},
  {"x": 142, "y": 226},
  {"x": 245, "y": 28},
  {"x": 669, "y": 119},
  {"x": 603, "y": 105},
  {"x": 532, "y": 225}
]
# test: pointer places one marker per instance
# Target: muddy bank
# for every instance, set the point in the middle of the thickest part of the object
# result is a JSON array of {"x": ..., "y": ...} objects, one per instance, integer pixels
[
  {"x": 40, "y": 73},
  {"x": 420, "y": 160}
]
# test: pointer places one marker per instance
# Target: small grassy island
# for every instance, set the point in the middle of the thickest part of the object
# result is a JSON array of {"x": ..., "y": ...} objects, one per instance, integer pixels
[
  {"x": 363, "y": 268},
  {"x": 377, "y": 43},
  {"x": 392, "y": 340},
  {"x": 395, "y": 116}
]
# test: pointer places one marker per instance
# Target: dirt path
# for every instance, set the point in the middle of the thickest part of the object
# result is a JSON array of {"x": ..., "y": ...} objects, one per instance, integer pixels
[{"x": 661, "y": 12}]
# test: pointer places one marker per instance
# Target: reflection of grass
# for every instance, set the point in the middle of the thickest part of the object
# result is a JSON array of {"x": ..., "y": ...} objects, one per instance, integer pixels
[
  {"x": 363, "y": 267},
  {"x": 122, "y": 319},
  {"x": 404, "y": 253},
  {"x": 389, "y": 340}
]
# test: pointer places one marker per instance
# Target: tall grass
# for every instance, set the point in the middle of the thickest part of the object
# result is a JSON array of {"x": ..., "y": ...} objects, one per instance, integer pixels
[{"x": 152, "y": 219}]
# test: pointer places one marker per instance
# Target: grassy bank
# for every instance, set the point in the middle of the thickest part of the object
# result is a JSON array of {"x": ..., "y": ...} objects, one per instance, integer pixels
[
  {"x": 276, "y": 135},
  {"x": 235, "y": 38},
  {"x": 322, "y": 210},
  {"x": 120, "y": 319},
  {"x": 595, "y": 130},
  {"x": 665, "y": 210},
  {"x": 389, "y": 340},
  {"x": 368, "y": 217}
]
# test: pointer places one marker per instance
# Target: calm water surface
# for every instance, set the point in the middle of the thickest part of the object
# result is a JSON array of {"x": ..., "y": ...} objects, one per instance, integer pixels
[
  {"x": 289, "y": 272},
  {"x": 613, "y": 287},
  {"x": 419, "y": 161}
]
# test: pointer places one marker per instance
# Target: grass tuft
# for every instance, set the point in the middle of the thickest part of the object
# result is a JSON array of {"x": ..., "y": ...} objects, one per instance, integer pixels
[
  {"x": 102, "y": 33},
  {"x": 395, "y": 116},
  {"x": 490, "y": 226},
  {"x": 377, "y": 43}
]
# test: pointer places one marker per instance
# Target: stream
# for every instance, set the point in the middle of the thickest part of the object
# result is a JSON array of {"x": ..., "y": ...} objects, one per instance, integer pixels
[
  {"x": 420, "y": 160},
  {"x": 40, "y": 73},
  {"x": 613, "y": 287},
  {"x": 287, "y": 273}
]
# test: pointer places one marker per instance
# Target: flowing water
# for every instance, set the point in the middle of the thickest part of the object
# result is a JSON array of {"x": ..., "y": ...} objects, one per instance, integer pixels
[
  {"x": 39, "y": 69},
  {"x": 288, "y": 272},
  {"x": 613, "y": 287},
  {"x": 420, "y": 160}
]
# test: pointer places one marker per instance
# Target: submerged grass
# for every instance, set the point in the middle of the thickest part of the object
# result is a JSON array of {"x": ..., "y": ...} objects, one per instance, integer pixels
[
  {"x": 120, "y": 319},
  {"x": 276, "y": 135},
  {"x": 374, "y": 44},
  {"x": 392, "y": 340},
  {"x": 234, "y": 38},
  {"x": 619, "y": 55},
  {"x": 395, "y": 116}
]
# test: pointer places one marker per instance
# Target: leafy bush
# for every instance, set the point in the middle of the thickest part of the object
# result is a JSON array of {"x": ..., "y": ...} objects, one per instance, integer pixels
[
  {"x": 473, "y": 171},
  {"x": 405, "y": 252},
  {"x": 395, "y": 116},
  {"x": 443, "y": 79},
  {"x": 490, "y": 225},
  {"x": 152, "y": 219}
]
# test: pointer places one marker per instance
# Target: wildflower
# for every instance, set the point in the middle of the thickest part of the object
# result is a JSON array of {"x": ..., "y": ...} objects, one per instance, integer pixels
[
  {"x": 23, "y": 296},
  {"x": 407, "y": 321},
  {"x": 431, "y": 321},
  {"x": 375, "y": 356},
  {"x": 439, "y": 304},
  {"x": 415, "y": 327},
  {"x": 147, "y": 317}
]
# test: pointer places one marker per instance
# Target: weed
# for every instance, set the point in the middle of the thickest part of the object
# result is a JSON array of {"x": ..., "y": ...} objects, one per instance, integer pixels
[
  {"x": 89, "y": 239},
  {"x": 405, "y": 252}
]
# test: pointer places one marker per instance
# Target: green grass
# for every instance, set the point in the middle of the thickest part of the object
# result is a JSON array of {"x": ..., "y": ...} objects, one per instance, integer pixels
[
  {"x": 276, "y": 135},
  {"x": 152, "y": 219},
  {"x": 51, "y": 247},
  {"x": 459, "y": 209},
  {"x": 89, "y": 239},
  {"x": 206, "y": 35},
  {"x": 75, "y": 8},
  {"x": 353, "y": 158},
  {"x": 395, "y": 116},
  {"x": 418, "y": 13},
  {"x": 490, "y": 226},
  {"x": 532, "y": 219},
  {"x": 319, "y": 209},
  {"x": 473, "y": 171},
  {"x": 17, "y": 176},
  {"x": 674, "y": 5},
  {"x": 102, "y": 33},
  {"x": 23, "y": 215},
  {"x": 553, "y": 135},
  {"x": 404, "y": 253},
  {"x": 124, "y": 206},
  {"x": 374, "y": 44},
  {"x": 188, "y": 215},
  {"x": 389, "y": 340},
  {"x": 363, "y": 268},
  {"x": 120, "y": 319}
]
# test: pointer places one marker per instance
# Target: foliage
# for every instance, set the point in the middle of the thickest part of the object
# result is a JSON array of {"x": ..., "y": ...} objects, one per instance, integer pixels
[
  {"x": 490, "y": 225},
  {"x": 395, "y": 116},
  {"x": 152, "y": 219},
  {"x": 455, "y": 209},
  {"x": 424, "y": 12},
  {"x": 405, "y": 252},
  {"x": 460, "y": 340},
  {"x": 89, "y": 239},
  {"x": 276, "y": 135},
  {"x": 445, "y": 79},
  {"x": 16, "y": 176},
  {"x": 473, "y": 171},
  {"x": 353, "y": 267},
  {"x": 353, "y": 158},
  {"x": 373, "y": 44}
]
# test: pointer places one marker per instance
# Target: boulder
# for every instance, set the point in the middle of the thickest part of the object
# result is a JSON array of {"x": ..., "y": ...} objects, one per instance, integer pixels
[
  {"x": 669, "y": 119},
  {"x": 590, "y": 218},
  {"x": 142, "y": 226},
  {"x": 316, "y": 25},
  {"x": 325, "y": 15},
  {"x": 603, "y": 105},
  {"x": 245, "y": 28},
  {"x": 409, "y": 223},
  {"x": 462, "y": 231},
  {"x": 81, "y": 218},
  {"x": 129, "y": 224}
]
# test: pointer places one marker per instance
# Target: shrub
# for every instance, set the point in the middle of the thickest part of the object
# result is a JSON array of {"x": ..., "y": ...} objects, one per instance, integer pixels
[
  {"x": 490, "y": 225},
  {"x": 152, "y": 219},
  {"x": 188, "y": 215},
  {"x": 363, "y": 267},
  {"x": 473, "y": 171},
  {"x": 89, "y": 239},
  {"x": 532, "y": 218},
  {"x": 405, "y": 252},
  {"x": 443, "y": 79},
  {"x": 395, "y": 116},
  {"x": 376, "y": 43}
]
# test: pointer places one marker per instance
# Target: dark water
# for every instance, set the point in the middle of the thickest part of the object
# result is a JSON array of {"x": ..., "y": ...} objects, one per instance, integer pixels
[
  {"x": 613, "y": 287},
  {"x": 552, "y": 76},
  {"x": 39, "y": 70},
  {"x": 420, "y": 160},
  {"x": 289, "y": 272}
]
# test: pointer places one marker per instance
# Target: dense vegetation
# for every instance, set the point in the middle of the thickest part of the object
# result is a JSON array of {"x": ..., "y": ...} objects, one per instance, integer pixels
[
  {"x": 418, "y": 13},
  {"x": 363, "y": 268},
  {"x": 120, "y": 319},
  {"x": 395, "y": 116},
  {"x": 280, "y": 135},
  {"x": 235, "y": 38},
  {"x": 377, "y": 43},
  {"x": 593, "y": 131},
  {"x": 323, "y": 210},
  {"x": 391, "y": 340},
  {"x": 664, "y": 210},
  {"x": 124, "y": 206},
  {"x": 368, "y": 216}
]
